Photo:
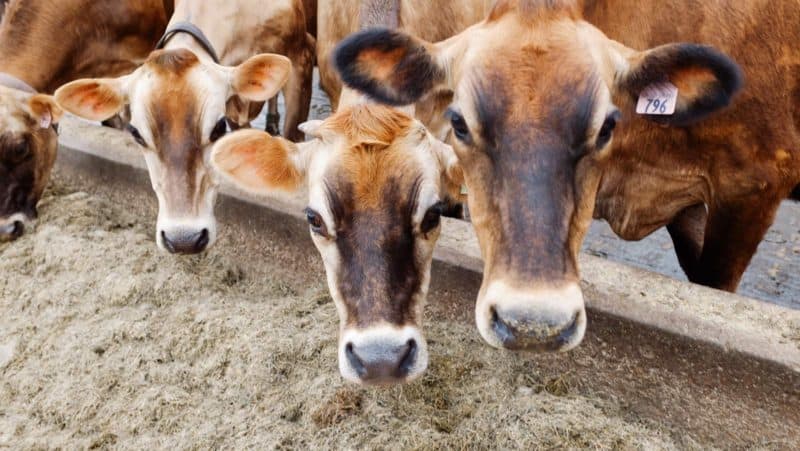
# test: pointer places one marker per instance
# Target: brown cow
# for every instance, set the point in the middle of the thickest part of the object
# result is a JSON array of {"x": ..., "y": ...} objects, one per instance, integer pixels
[
  {"x": 27, "y": 153},
  {"x": 92, "y": 38},
  {"x": 38, "y": 56},
  {"x": 539, "y": 93},
  {"x": 178, "y": 101},
  {"x": 378, "y": 182}
]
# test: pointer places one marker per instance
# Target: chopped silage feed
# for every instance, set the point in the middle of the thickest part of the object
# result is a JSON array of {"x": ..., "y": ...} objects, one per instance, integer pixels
[{"x": 107, "y": 342}]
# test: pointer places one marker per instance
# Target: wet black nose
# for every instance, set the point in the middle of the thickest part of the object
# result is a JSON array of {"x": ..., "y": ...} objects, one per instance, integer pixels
[
  {"x": 12, "y": 231},
  {"x": 523, "y": 331},
  {"x": 381, "y": 363},
  {"x": 185, "y": 243},
  {"x": 17, "y": 230}
]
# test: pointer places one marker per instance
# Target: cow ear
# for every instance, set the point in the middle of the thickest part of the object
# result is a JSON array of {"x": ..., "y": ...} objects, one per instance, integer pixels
[
  {"x": 452, "y": 174},
  {"x": 261, "y": 77},
  {"x": 389, "y": 66},
  {"x": 94, "y": 99},
  {"x": 680, "y": 84},
  {"x": 44, "y": 110},
  {"x": 259, "y": 163}
]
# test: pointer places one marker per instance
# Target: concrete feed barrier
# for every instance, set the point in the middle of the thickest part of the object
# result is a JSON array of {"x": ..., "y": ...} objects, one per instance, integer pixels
[{"x": 720, "y": 349}]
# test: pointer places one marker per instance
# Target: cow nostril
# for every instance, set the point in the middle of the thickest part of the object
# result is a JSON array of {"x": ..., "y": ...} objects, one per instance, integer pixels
[
  {"x": 409, "y": 358},
  {"x": 202, "y": 241},
  {"x": 167, "y": 243},
  {"x": 354, "y": 361},
  {"x": 501, "y": 329},
  {"x": 18, "y": 229}
]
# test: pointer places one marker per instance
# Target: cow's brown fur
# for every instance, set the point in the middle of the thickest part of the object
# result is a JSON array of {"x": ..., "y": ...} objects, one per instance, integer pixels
[
  {"x": 740, "y": 164},
  {"x": 715, "y": 184},
  {"x": 47, "y": 43},
  {"x": 27, "y": 152},
  {"x": 432, "y": 20}
]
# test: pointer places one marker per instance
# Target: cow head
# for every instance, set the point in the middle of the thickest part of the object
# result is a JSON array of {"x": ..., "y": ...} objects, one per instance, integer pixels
[
  {"x": 538, "y": 94},
  {"x": 177, "y": 107},
  {"x": 28, "y": 144},
  {"x": 378, "y": 182}
]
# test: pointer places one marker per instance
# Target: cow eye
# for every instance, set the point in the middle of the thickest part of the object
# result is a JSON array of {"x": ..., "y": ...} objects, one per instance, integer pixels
[
  {"x": 315, "y": 221},
  {"x": 607, "y": 130},
  {"x": 136, "y": 135},
  {"x": 432, "y": 218},
  {"x": 459, "y": 125},
  {"x": 219, "y": 130},
  {"x": 20, "y": 152}
]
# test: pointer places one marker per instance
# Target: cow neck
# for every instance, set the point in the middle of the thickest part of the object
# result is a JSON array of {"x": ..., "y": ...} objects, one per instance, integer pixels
[
  {"x": 193, "y": 31},
  {"x": 10, "y": 81}
]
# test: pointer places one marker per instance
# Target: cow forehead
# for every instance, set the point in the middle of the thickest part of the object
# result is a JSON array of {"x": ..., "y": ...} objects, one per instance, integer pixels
[
  {"x": 546, "y": 75},
  {"x": 14, "y": 117},
  {"x": 376, "y": 180}
]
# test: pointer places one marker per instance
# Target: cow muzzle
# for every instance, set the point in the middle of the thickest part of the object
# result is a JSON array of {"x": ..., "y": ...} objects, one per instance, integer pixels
[
  {"x": 12, "y": 227},
  {"x": 186, "y": 237},
  {"x": 546, "y": 320},
  {"x": 383, "y": 355}
]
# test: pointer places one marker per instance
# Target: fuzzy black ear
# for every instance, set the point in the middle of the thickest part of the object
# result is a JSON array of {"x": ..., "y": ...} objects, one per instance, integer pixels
[
  {"x": 705, "y": 78},
  {"x": 389, "y": 66}
]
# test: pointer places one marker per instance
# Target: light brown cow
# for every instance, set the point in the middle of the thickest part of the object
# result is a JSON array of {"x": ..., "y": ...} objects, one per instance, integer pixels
[
  {"x": 27, "y": 153},
  {"x": 539, "y": 93},
  {"x": 178, "y": 101},
  {"x": 38, "y": 56},
  {"x": 378, "y": 182}
]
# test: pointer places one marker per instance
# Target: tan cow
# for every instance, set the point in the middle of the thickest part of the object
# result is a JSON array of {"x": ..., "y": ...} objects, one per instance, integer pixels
[
  {"x": 178, "y": 100},
  {"x": 38, "y": 56},
  {"x": 539, "y": 94},
  {"x": 27, "y": 153},
  {"x": 378, "y": 182}
]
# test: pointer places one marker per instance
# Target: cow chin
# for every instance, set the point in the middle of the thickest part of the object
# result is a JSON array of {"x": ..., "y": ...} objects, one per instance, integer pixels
[
  {"x": 382, "y": 355},
  {"x": 540, "y": 320}
]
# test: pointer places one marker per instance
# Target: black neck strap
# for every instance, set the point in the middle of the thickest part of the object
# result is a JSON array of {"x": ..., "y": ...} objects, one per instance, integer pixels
[{"x": 192, "y": 30}]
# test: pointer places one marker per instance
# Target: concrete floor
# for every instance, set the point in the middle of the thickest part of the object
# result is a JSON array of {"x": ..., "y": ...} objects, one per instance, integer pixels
[{"x": 773, "y": 275}]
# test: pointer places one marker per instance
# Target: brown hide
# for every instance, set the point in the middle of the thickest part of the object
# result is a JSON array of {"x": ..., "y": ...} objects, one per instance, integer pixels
[{"x": 47, "y": 56}]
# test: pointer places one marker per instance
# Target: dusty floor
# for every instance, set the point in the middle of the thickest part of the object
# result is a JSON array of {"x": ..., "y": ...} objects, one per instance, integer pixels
[
  {"x": 106, "y": 341},
  {"x": 772, "y": 275}
]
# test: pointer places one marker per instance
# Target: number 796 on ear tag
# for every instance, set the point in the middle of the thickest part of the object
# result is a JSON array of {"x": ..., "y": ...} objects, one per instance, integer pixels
[{"x": 659, "y": 99}]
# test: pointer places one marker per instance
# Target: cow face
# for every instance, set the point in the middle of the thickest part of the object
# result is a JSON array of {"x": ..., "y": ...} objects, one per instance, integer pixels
[
  {"x": 28, "y": 144},
  {"x": 177, "y": 108},
  {"x": 538, "y": 94},
  {"x": 378, "y": 182}
]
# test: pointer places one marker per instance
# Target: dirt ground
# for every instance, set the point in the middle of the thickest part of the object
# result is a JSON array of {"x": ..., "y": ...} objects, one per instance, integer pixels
[{"x": 107, "y": 342}]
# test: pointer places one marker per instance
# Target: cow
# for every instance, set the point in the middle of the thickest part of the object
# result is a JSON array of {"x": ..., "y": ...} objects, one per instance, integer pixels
[
  {"x": 555, "y": 122},
  {"x": 27, "y": 153},
  {"x": 36, "y": 58},
  {"x": 45, "y": 56},
  {"x": 378, "y": 183},
  {"x": 179, "y": 100}
]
